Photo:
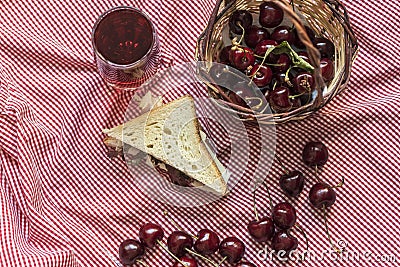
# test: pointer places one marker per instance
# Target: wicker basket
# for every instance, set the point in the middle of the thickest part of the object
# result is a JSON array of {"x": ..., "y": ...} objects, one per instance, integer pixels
[{"x": 328, "y": 18}]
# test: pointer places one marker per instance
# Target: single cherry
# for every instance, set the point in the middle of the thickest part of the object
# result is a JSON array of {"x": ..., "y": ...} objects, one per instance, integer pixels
[
  {"x": 242, "y": 57},
  {"x": 261, "y": 74},
  {"x": 263, "y": 46},
  {"x": 315, "y": 154},
  {"x": 188, "y": 261},
  {"x": 303, "y": 82},
  {"x": 279, "y": 99},
  {"x": 284, "y": 215},
  {"x": 178, "y": 242},
  {"x": 321, "y": 194},
  {"x": 130, "y": 250},
  {"x": 150, "y": 233},
  {"x": 245, "y": 264},
  {"x": 325, "y": 47},
  {"x": 292, "y": 183},
  {"x": 261, "y": 230},
  {"x": 240, "y": 17},
  {"x": 254, "y": 35},
  {"x": 207, "y": 242},
  {"x": 233, "y": 249},
  {"x": 271, "y": 15},
  {"x": 284, "y": 241},
  {"x": 327, "y": 69},
  {"x": 282, "y": 63},
  {"x": 283, "y": 33},
  {"x": 223, "y": 56}
]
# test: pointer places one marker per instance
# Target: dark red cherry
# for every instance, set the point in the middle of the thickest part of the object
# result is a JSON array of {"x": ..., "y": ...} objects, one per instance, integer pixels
[
  {"x": 271, "y": 15},
  {"x": 150, "y": 233},
  {"x": 327, "y": 69},
  {"x": 303, "y": 82},
  {"x": 279, "y": 78},
  {"x": 223, "y": 56},
  {"x": 254, "y": 35},
  {"x": 284, "y": 215},
  {"x": 315, "y": 154},
  {"x": 292, "y": 183},
  {"x": 283, "y": 63},
  {"x": 240, "y": 17},
  {"x": 283, "y": 33},
  {"x": 245, "y": 264},
  {"x": 262, "y": 75},
  {"x": 310, "y": 33},
  {"x": 261, "y": 230},
  {"x": 325, "y": 47},
  {"x": 207, "y": 242},
  {"x": 284, "y": 241},
  {"x": 241, "y": 58},
  {"x": 304, "y": 56},
  {"x": 262, "y": 47},
  {"x": 296, "y": 103},
  {"x": 279, "y": 99},
  {"x": 322, "y": 194},
  {"x": 178, "y": 242},
  {"x": 130, "y": 250},
  {"x": 233, "y": 249},
  {"x": 188, "y": 261}
]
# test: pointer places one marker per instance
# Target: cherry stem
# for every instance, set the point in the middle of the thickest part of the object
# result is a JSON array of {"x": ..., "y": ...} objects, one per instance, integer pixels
[
  {"x": 254, "y": 202},
  {"x": 222, "y": 261},
  {"x": 243, "y": 30},
  {"x": 166, "y": 214},
  {"x": 340, "y": 184},
  {"x": 298, "y": 227},
  {"x": 269, "y": 195},
  {"x": 142, "y": 263},
  {"x": 280, "y": 163},
  {"x": 294, "y": 96},
  {"x": 201, "y": 257},
  {"x": 164, "y": 247},
  {"x": 334, "y": 247},
  {"x": 316, "y": 174}
]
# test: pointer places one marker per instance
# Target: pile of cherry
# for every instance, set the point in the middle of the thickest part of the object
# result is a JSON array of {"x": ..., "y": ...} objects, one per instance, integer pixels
[
  {"x": 277, "y": 62},
  {"x": 274, "y": 229}
]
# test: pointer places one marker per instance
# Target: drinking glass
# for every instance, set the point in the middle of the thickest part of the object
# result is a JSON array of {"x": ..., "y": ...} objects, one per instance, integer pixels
[{"x": 126, "y": 47}]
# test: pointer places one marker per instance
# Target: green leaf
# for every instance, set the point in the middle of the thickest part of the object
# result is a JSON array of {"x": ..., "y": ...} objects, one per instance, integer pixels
[{"x": 285, "y": 48}]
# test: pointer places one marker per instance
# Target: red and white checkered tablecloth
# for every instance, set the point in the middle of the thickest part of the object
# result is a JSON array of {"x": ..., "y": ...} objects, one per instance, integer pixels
[{"x": 65, "y": 203}]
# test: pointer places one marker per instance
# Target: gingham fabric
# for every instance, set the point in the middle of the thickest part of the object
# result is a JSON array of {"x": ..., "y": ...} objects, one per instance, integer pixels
[{"x": 65, "y": 203}]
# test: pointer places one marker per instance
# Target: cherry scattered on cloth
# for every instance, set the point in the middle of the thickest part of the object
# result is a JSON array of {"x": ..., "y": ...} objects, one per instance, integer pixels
[
  {"x": 315, "y": 154},
  {"x": 322, "y": 194},
  {"x": 292, "y": 183},
  {"x": 284, "y": 241},
  {"x": 130, "y": 250},
  {"x": 207, "y": 242},
  {"x": 232, "y": 249},
  {"x": 178, "y": 242},
  {"x": 150, "y": 233},
  {"x": 284, "y": 215},
  {"x": 261, "y": 230}
]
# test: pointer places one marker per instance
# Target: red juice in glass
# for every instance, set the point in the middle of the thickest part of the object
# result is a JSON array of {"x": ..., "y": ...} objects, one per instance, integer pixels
[{"x": 126, "y": 47}]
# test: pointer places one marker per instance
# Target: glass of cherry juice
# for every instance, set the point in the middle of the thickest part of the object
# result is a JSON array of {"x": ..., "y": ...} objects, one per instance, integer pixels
[{"x": 126, "y": 47}]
